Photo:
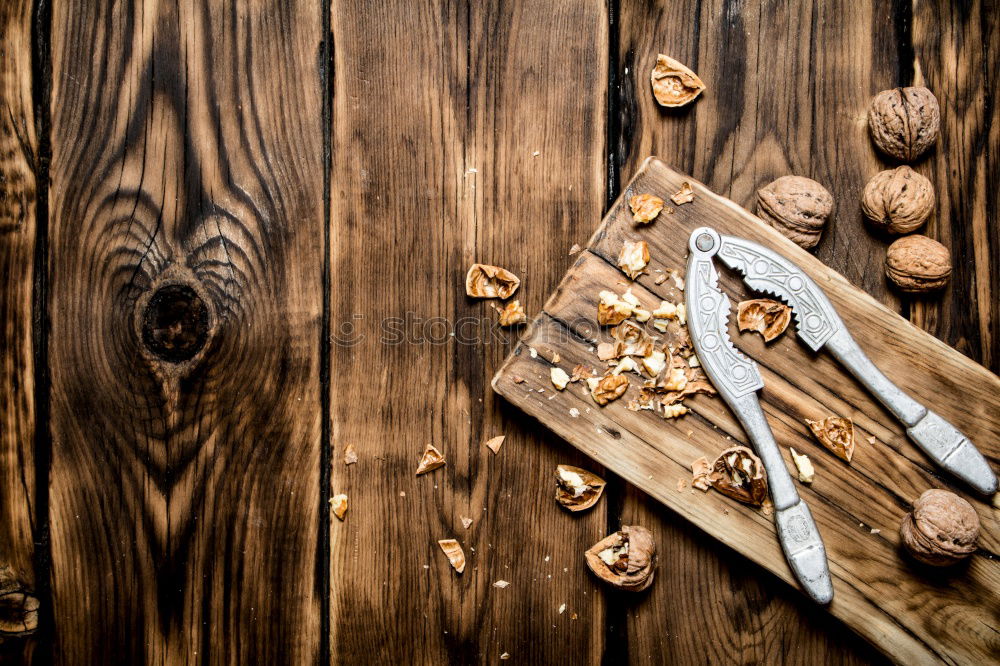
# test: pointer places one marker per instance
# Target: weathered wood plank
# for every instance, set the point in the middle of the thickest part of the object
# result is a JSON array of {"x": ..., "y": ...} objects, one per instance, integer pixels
[
  {"x": 957, "y": 49},
  {"x": 498, "y": 110},
  {"x": 186, "y": 262},
  {"x": 18, "y": 226},
  {"x": 787, "y": 93},
  {"x": 880, "y": 594}
]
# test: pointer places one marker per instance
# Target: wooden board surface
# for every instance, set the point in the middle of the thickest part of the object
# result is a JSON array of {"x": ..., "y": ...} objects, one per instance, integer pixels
[
  {"x": 18, "y": 229},
  {"x": 903, "y": 609},
  {"x": 349, "y": 148},
  {"x": 185, "y": 500},
  {"x": 481, "y": 166}
]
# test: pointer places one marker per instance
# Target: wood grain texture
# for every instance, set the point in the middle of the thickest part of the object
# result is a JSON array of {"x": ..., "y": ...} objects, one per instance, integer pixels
[
  {"x": 18, "y": 161},
  {"x": 186, "y": 295},
  {"x": 957, "y": 50},
  {"x": 898, "y": 607},
  {"x": 477, "y": 137},
  {"x": 788, "y": 86}
]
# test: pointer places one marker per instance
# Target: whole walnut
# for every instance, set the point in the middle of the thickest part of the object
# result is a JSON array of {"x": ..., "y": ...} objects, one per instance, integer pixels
[
  {"x": 904, "y": 122},
  {"x": 941, "y": 529},
  {"x": 797, "y": 207},
  {"x": 898, "y": 200},
  {"x": 917, "y": 264}
]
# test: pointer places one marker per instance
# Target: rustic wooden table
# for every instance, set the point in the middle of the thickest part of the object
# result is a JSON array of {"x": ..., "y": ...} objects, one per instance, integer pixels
[{"x": 320, "y": 175}]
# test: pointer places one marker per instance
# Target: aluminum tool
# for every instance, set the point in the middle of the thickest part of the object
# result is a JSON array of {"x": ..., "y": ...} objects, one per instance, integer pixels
[
  {"x": 818, "y": 325},
  {"x": 737, "y": 380}
]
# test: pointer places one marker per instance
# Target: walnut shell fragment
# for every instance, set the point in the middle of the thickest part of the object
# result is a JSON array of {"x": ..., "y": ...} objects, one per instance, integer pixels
[
  {"x": 350, "y": 455},
  {"x": 607, "y": 389},
  {"x": 576, "y": 488},
  {"x": 645, "y": 207},
  {"x": 625, "y": 559},
  {"x": 739, "y": 474},
  {"x": 673, "y": 83},
  {"x": 18, "y": 607},
  {"x": 904, "y": 122},
  {"x": 798, "y": 207},
  {"x": 898, "y": 200},
  {"x": 917, "y": 264},
  {"x": 430, "y": 460},
  {"x": 455, "y": 554},
  {"x": 494, "y": 443},
  {"x": 836, "y": 434},
  {"x": 633, "y": 258},
  {"x": 484, "y": 281},
  {"x": 700, "y": 471},
  {"x": 767, "y": 317},
  {"x": 512, "y": 313},
  {"x": 683, "y": 195},
  {"x": 339, "y": 505},
  {"x": 942, "y": 528}
]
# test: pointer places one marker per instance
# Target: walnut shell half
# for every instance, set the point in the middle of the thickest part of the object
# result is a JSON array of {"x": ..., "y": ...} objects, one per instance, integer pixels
[
  {"x": 18, "y": 607},
  {"x": 673, "y": 83},
  {"x": 904, "y": 122},
  {"x": 898, "y": 200},
  {"x": 942, "y": 529},
  {"x": 484, "y": 281},
  {"x": 917, "y": 264},
  {"x": 625, "y": 559},
  {"x": 453, "y": 550},
  {"x": 576, "y": 488},
  {"x": 836, "y": 434},
  {"x": 767, "y": 317},
  {"x": 798, "y": 207},
  {"x": 739, "y": 474}
]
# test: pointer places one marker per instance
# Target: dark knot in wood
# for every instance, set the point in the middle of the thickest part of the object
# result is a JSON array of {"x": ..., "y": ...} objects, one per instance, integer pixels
[
  {"x": 175, "y": 323},
  {"x": 18, "y": 608}
]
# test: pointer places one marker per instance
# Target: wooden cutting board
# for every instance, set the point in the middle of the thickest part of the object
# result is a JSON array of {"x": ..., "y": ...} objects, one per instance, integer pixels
[{"x": 913, "y": 613}]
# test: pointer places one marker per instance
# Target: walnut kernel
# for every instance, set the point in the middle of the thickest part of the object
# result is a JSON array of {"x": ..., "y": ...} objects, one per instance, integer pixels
[
  {"x": 673, "y": 83},
  {"x": 917, "y": 264},
  {"x": 904, "y": 122},
  {"x": 941, "y": 529},
  {"x": 767, "y": 317},
  {"x": 798, "y": 207},
  {"x": 645, "y": 207},
  {"x": 484, "y": 281},
  {"x": 512, "y": 313},
  {"x": 576, "y": 488},
  {"x": 625, "y": 559},
  {"x": 607, "y": 389},
  {"x": 898, "y": 200},
  {"x": 559, "y": 378},
  {"x": 683, "y": 195},
  {"x": 339, "y": 505},
  {"x": 633, "y": 258},
  {"x": 803, "y": 466}
]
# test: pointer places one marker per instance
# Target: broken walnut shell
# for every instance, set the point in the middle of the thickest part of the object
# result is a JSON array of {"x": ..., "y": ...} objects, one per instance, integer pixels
[
  {"x": 608, "y": 388},
  {"x": 768, "y": 317},
  {"x": 453, "y": 550},
  {"x": 942, "y": 528},
  {"x": 904, "y": 122},
  {"x": 918, "y": 264},
  {"x": 430, "y": 460},
  {"x": 898, "y": 200},
  {"x": 625, "y": 559},
  {"x": 484, "y": 281},
  {"x": 836, "y": 434},
  {"x": 645, "y": 207},
  {"x": 683, "y": 195},
  {"x": 576, "y": 488},
  {"x": 673, "y": 83},
  {"x": 739, "y": 474},
  {"x": 796, "y": 206}
]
